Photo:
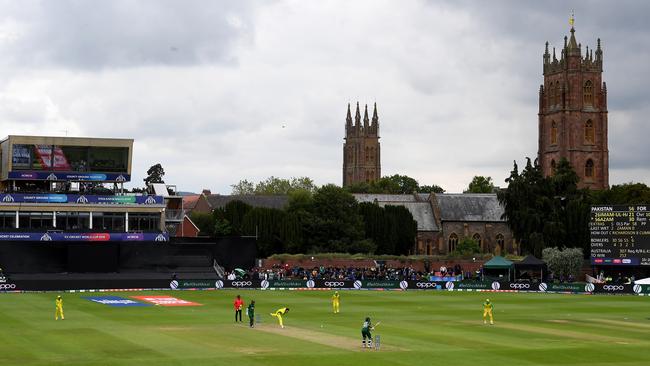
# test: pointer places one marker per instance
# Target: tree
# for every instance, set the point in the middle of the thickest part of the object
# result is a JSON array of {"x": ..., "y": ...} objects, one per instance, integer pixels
[
  {"x": 431, "y": 189},
  {"x": 623, "y": 194},
  {"x": 359, "y": 187},
  {"x": 233, "y": 212},
  {"x": 405, "y": 227},
  {"x": 525, "y": 203},
  {"x": 467, "y": 246},
  {"x": 205, "y": 223},
  {"x": 546, "y": 211},
  {"x": 394, "y": 184},
  {"x": 154, "y": 175},
  {"x": 335, "y": 222},
  {"x": 302, "y": 184},
  {"x": 403, "y": 183},
  {"x": 244, "y": 187},
  {"x": 480, "y": 184},
  {"x": 378, "y": 227},
  {"x": 222, "y": 227},
  {"x": 277, "y": 231},
  {"x": 273, "y": 186},
  {"x": 564, "y": 264}
]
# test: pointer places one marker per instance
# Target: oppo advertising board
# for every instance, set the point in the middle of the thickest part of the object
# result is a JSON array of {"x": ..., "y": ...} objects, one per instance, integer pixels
[
  {"x": 620, "y": 235},
  {"x": 8, "y": 285}
]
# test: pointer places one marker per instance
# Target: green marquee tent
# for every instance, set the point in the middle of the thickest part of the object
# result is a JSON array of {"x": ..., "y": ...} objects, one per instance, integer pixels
[{"x": 498, "y": 265}]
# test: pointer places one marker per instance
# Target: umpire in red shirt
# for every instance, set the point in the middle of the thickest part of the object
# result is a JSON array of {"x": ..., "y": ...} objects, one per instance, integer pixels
[{"x": 239, "y": 304}]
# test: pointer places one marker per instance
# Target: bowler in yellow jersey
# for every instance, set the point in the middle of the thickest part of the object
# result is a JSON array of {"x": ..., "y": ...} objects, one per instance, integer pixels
[{"x": 278, "y": 314}]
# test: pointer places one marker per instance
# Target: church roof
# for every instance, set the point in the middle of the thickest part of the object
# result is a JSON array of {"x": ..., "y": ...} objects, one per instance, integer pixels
[
  {"x": 421, "y": 210},
  {"x": 470, "y": 207},
  {"x": 372, "y": 197}
]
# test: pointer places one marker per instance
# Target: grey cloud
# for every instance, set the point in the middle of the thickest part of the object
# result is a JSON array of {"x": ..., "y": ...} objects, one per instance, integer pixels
[
  {"x": 122, "y": 33},
  {"x": 456, "y": 83}
]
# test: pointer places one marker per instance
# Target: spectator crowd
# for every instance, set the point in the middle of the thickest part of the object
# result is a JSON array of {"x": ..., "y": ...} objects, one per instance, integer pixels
[{"x": 378, "y": 272}]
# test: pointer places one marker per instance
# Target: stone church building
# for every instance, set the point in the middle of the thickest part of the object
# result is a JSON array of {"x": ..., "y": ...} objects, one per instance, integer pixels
[
  {"x": 443, "y": 220},
  {"x": 361, "y": 150},
  {"x": 573, "y": 113},
  {"x": 572, "y": 125}
]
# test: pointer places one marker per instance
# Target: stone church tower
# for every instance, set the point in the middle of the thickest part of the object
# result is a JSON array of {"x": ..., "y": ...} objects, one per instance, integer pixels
[
  {"x": 361, "y": 154},
  {"x": 573, "y": 113}
]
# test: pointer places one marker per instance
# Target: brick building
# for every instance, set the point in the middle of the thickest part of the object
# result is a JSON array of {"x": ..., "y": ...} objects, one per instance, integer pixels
[
  {"x": 207, "y": 202},
  {"x": 573, "y": 113}
]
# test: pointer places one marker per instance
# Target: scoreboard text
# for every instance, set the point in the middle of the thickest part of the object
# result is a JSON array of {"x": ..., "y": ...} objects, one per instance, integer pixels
[{"x": 620, "y": 235}]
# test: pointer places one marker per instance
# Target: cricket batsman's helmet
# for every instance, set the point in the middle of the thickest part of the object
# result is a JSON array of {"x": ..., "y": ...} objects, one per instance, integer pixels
[
  {"x": 367, "y": 319},
  {"x": 487, "y": 300}
]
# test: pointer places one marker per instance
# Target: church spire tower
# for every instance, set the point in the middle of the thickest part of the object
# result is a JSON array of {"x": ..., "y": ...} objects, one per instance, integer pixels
[
  {"x": 361, "y": 150},
  {"x": 573, "y": 113}
]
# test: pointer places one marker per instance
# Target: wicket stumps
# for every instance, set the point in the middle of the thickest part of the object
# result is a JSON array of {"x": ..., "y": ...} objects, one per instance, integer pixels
[{"x": 377, "y": 342}]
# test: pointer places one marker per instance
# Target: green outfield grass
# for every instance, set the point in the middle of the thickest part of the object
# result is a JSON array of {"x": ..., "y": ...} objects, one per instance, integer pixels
[{"x": 417, "y": 328}]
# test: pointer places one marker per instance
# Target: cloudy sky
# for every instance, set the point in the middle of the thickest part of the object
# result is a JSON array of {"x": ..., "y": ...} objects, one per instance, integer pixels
[{"x": 205, "y": 87}]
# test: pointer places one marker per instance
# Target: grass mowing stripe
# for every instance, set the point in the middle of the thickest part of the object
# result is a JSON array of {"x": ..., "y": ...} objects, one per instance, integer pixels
[{"x": 424, "y": 327}]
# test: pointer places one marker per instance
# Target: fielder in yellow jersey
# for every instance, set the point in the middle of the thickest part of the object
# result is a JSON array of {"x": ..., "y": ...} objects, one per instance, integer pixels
[
  {"x": 336, "y": 298},
  {"x": 278, "y": 314},
  {"x": 59, "y": 308},
  {"x": 487, "y": 311}
]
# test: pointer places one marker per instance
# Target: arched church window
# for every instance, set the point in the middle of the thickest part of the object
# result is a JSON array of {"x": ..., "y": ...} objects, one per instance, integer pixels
[
  {"x": 500, "y": 240},
  {"x": 589, "y": 132},
  {"x": 553, "y": 133},
  {"x": 553, "y": 166},
  {"x": 477, "y": 238},
  {"x": 551, "y": 95},
  {"x": 589, "y": 168},
  {"x": 588, "y": 93},
  {"x": 558, "y": 94},
  {"x": 453, "y": 241}
]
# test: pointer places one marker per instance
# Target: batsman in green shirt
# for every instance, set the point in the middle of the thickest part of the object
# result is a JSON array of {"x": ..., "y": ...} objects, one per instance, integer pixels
[
  {"x": 250, "y": 310},
  {"x": 365, "y": 333}
]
